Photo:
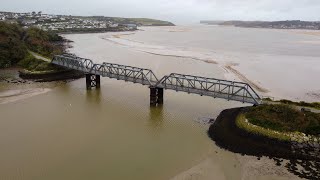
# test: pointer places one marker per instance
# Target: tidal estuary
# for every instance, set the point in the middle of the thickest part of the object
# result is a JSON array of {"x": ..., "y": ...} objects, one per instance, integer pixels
[{"x": 68, "y": 132}]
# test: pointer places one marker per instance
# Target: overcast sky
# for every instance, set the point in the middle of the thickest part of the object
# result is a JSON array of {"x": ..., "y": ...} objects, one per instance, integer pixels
[{"x": 177, "y": 11}]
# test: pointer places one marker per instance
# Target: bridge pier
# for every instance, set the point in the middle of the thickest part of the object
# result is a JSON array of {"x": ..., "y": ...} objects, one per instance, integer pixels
[
  {"x": 156, "y": 96},
  {"x": 92, "y": 80}
]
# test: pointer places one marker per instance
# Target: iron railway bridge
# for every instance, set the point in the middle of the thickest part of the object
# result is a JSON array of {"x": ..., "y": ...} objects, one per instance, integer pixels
[{"x": 216, "y": 88}]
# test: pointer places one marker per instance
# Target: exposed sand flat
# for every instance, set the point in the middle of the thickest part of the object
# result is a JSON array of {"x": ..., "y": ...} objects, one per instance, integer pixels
[
  {"x": 251, "y": 168},
  {"x": 121, "y": 35},
  {"x": 10, "y": 96},
  {"x": 206, "y": 170},
  {"x": 169, "y": 55},
  {"x": 175, "y": 28},
  {"x": 263, "y": 169},
  {"x": 279, "y": 63},
  {"x": 245, "y": 79},
  {"x": 307, "y": 32}
]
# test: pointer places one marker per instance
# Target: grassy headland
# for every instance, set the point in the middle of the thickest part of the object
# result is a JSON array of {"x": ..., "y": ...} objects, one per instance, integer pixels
[
  {"x": 137, "y": 21},
  {"x": 279, "y": 121},
  {"x": 150, "y": 22},
  {"x": 315, "y": 105}
]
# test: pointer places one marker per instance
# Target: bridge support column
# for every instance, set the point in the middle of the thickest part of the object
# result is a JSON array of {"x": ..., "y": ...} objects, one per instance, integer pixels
[
  {"x": 153, "y": 96},
  {"x": 160, "y": 95},
  {"x": 156, "y": 96},
  {"x": 92, "y": 80}
]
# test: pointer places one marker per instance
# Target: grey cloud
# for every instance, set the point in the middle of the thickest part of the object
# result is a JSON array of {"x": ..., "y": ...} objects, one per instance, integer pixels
[{"x": 179, "y": 11}]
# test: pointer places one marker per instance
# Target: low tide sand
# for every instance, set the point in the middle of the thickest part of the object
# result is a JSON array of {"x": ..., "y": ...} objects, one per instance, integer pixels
[
  {"x": 10, "y": 96},
  {"x": 251, "y": 169},
  {"x": 280, "y": 67}
]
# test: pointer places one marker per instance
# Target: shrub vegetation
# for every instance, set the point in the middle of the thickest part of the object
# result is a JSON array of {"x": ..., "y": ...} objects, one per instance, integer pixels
[
  {"x": 16, "y": 41},
  {"x": 315, "y": 105},
  {"x": 284, "y": 118},
  {"x": 30, "y": 63}
]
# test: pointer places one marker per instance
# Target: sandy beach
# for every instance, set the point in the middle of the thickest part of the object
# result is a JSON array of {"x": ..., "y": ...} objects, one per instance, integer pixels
[
  {"x": 251, "y": 168},
  {"x": 10, "y": 96}
]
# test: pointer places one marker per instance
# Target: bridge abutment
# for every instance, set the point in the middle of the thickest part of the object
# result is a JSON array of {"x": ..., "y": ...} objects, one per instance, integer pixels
[
  {"x": 156, "y": 96},
  {"x": 92, "y": 81}
]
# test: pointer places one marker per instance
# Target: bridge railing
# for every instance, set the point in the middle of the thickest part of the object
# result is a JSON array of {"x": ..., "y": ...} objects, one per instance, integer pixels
[
  {"x": 217, "y": 88},
  {"x": 73, "y": 62},
  {"x": 111, "y": 70}
]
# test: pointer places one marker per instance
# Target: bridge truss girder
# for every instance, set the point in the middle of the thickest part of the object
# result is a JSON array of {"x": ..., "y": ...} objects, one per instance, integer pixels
[{"x": 217, "y": 88}]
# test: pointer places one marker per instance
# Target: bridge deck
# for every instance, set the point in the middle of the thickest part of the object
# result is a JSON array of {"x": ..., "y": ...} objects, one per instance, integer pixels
[{"x": 217, "y": 88}]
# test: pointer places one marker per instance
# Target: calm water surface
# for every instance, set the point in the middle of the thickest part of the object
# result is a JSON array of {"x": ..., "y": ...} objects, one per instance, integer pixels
[{"x": 112, "y": 133}]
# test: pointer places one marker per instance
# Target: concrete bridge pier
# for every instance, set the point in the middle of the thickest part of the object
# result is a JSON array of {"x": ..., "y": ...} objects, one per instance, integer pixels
[
  {"x": 156, "y": 96},
  {"x": 92, "y": 81},
  {"x": 160, "y": 95}
]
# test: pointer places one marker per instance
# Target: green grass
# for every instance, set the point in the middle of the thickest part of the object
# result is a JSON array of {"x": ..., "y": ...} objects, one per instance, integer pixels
[
  {"x": 315, "y": 105},
  {"x": 34, "y": 65},
  {"x": 243, "y": 123},
  {"x": 284, "y": 118},
  {"x": 146, "y": 21}
]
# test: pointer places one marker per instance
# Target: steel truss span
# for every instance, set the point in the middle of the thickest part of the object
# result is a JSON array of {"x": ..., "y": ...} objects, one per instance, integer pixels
[
  {"x": 116, "y": 71},
  {"x": 217, "y": 88}
]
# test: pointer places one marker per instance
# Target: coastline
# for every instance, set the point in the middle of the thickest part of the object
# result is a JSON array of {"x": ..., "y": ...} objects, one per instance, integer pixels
[
  {"x": 11, "y": 96},
  {"x": 15, "y": 85},
  {"x": 225, "y": 133}
]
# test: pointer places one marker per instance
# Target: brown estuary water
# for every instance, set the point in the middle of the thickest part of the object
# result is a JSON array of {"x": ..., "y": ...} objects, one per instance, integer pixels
[{"x": 69, "y": 133}]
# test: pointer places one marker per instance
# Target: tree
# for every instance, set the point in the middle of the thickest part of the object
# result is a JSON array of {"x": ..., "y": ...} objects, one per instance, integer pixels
[
  {"x": 12, "y": 48},
  {"x": 15, "y": 43}
]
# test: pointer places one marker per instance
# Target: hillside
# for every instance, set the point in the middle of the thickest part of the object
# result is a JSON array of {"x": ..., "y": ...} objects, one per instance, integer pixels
[
  {"x": 296, "y": 24},
  {"x": 137, "y": 21},
  {"x": 16, "y": 42}
]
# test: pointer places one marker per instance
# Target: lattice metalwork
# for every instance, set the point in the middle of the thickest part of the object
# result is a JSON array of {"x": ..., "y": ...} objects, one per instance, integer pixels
[
  {"x": 216, "y": 88},
  {"x": 117, "y": 71}
]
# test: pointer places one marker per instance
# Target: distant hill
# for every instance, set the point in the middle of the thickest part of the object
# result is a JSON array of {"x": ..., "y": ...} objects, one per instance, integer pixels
[
  {"x": 78, "y": 24},
  {"x": 294, "y": 24},
  {"x": 137, "y": 21},
  {"x": 145, "y": 21}
]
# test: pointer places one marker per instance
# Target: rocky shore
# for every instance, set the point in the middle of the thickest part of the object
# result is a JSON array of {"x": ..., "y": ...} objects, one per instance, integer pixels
[
  {"x": 303, "y": 156},
  {"x": 21, "y": 76},
  {"x": 51, "y": 76}
]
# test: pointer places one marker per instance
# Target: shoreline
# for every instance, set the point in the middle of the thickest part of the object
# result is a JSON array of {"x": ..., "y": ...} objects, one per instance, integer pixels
[
  {"x": 284, "y": 29},
  {"x": 11, "y": 96},
  {"x": 16, "y": 86},
  {"x": 225, "y": 133}
]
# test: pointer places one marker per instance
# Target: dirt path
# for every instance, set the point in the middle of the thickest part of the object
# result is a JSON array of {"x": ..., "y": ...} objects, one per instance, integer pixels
[{"x": 40, "y": 57}]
